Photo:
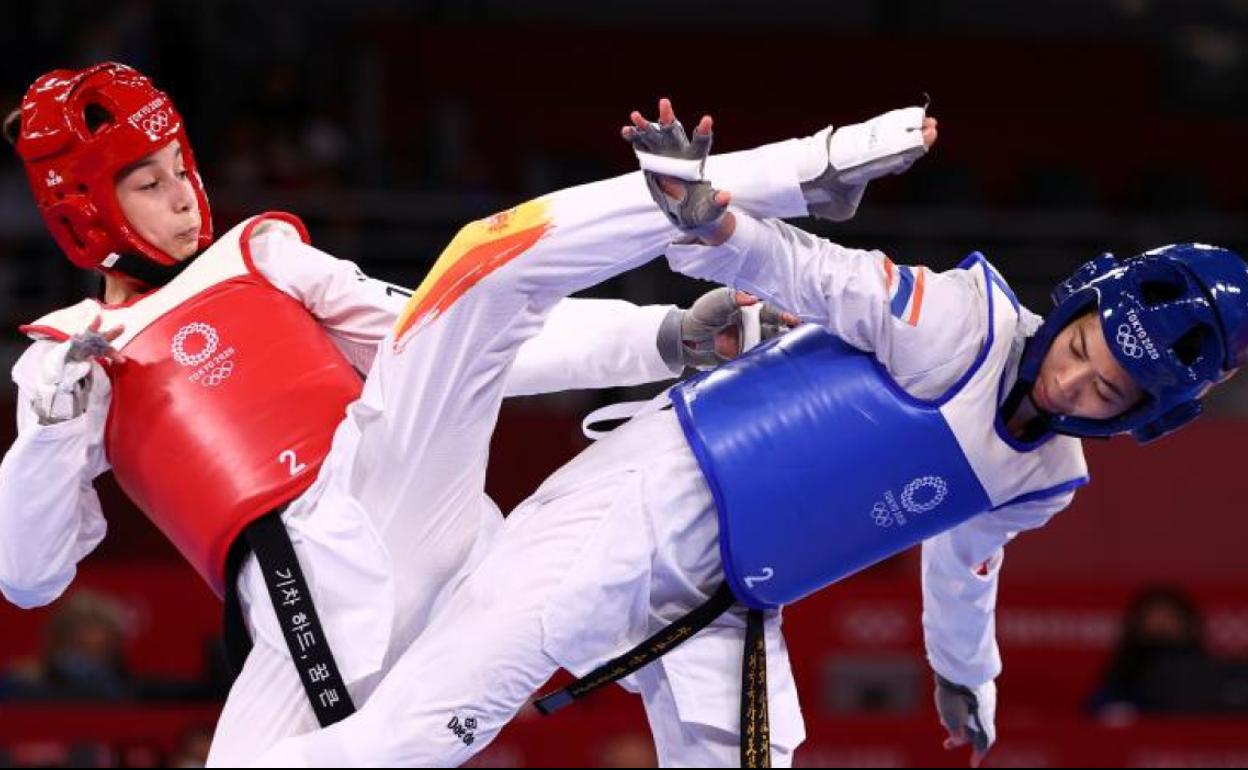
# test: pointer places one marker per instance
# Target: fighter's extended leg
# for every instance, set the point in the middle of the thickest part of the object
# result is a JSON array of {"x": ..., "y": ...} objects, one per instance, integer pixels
[
  {"x": 484, "y": 654},
  {"x": 431, "y": 401}
]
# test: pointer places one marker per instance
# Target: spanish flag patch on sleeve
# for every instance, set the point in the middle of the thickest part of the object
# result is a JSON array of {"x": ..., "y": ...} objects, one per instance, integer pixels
[{"x": 477, "y": 250}]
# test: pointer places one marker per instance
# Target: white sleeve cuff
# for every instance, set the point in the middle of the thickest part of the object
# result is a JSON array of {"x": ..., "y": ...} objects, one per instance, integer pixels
[
  {"x": 645, "y": 340},
  {"x": 765, "y": 181},
  {"x": 64, "y": 430},
  {"x": 723, "y": 263}
]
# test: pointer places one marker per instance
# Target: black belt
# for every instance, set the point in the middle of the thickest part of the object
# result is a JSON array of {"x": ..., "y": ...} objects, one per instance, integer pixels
[
  {"x": 268, "y": 539},
  {"x": 755, "y": 726},
  {"x": 755, "y": 730}
]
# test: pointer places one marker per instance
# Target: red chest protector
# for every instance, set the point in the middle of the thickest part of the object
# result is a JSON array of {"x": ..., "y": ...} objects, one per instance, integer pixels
[{"x": 227, "y": 401}]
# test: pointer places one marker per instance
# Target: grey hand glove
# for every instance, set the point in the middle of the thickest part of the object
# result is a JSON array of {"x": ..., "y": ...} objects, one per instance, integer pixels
[
  {"x": 687, "y": 338},
  {"x": 666, "y": 151},
  {"x": 969, "y": 715},
  {"x": 65, "y": 377}
]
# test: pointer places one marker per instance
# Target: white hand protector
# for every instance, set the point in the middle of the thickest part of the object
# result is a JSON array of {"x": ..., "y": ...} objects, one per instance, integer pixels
[
  {"x": 969, "y": 715},
  {"x": 64, "y": 377},
  {"x": 856, "y": 154}
]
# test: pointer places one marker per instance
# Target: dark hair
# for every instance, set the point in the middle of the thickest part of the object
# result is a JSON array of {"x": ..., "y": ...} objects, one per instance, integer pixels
[
  {"x": 96, "y": 117},
  {"x": 1188, "y": 347},
  {"x": 1134, "y": 630},
  {"x": 13, "y": 126}
]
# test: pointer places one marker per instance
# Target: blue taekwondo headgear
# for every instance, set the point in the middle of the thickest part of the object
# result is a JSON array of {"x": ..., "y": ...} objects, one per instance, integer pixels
[{"x": 1176, "y": 319}]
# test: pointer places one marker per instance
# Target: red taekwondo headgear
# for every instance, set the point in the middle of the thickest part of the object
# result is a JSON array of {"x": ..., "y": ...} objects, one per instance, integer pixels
[{"x": 78, "y": 130}]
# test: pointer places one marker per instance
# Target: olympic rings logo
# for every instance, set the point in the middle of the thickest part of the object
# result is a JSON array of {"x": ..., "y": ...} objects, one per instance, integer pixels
[
  {"x": 1129, "y": 343},
  {"x": 881, "y": 516},
  {"x": 211, "y": 342},
  {"x": 155, "y": 125},
  {"x": 218, "y": 375},
  {"x": 921, "y": 495}
]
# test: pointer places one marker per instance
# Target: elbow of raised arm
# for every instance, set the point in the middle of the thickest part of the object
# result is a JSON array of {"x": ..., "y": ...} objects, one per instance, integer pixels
[
  {"x": 26, "y": 593},
  {"x": 30, "y": 579}
]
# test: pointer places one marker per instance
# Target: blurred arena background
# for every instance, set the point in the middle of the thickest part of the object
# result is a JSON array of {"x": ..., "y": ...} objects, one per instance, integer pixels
[{"x": 1067, "y": 128}]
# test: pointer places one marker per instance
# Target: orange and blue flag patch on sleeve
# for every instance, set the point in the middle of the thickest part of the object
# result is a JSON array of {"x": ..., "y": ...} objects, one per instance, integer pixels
[
  {"x": 905, "y": 290},
  {"x": 477, "y": 250}
]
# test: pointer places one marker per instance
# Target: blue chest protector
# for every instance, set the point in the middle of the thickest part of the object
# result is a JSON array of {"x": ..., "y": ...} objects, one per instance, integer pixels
[
  {"x": 821, "y": 465},
  {"x": 800, "y": 508}
]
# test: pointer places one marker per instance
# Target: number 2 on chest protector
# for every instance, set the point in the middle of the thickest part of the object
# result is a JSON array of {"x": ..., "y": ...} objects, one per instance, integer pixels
[
  {"x": 288, "y": 456},
  {"x": 762, "y": 577}
]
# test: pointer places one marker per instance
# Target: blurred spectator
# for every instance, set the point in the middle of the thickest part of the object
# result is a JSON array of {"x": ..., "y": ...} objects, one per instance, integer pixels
[
  {"x": 82, "y": 657},
  {"x": 193, "y": 751},
  {"x": 1161, "y": 665},
  {"x": 212, "y": 684}
]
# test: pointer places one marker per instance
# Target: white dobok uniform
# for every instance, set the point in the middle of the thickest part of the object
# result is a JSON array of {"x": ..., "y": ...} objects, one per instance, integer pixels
[{"x": 624, "y": 538}]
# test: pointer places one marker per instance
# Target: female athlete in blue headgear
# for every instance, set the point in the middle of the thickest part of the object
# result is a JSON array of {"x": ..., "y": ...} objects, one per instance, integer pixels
[{"x": 913, "y": 406}]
